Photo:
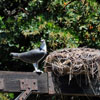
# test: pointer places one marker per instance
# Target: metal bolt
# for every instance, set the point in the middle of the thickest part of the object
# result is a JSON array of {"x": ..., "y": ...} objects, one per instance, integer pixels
[
  {"x": 22, "y": 82},
  {"x": 26, "y": 94},
  {"x": 29, "y": 88},
  {"x": 22, "y": 98}
]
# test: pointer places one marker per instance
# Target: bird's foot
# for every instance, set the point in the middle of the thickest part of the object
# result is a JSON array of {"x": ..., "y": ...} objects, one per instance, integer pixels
[{"x": 38, "y": 71}]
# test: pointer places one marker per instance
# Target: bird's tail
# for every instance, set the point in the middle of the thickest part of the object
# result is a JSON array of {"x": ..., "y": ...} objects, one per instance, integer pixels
[{"x": 14, "y": 55}]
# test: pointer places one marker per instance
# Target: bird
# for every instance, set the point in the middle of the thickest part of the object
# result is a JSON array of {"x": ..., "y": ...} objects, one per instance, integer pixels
[{"x": 33, "y": 56}]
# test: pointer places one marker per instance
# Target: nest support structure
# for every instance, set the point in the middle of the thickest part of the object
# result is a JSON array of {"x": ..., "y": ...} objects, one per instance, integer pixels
[{"x": 73, "y": 62}]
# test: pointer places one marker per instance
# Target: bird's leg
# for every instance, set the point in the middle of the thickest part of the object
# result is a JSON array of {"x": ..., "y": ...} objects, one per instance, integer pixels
[{"x": 36, "y": 68}]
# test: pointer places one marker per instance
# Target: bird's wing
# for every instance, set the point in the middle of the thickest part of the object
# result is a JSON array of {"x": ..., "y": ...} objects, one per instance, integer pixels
[{"x": 32, "y": 56}]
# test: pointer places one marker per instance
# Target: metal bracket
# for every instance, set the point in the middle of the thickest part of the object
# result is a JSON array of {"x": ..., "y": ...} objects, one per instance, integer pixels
[
  {"x": 27, "y": 86},
  {"x": 1, "y": 84},
  {"x": 28, "y": 83}
]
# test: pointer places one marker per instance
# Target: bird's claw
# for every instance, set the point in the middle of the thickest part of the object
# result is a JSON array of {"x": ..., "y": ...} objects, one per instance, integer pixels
[{"x": 38, "y": 71}]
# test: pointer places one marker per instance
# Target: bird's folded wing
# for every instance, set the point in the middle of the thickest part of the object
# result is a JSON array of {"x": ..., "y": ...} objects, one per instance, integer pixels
[{"x": 32, "y": 56}]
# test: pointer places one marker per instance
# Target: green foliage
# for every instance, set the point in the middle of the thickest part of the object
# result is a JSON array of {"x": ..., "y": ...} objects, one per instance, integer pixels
[
  {"x": 6, "y": 96},
  {"x": 63, "y": 23},
  {"x": 84, "y": 23}
]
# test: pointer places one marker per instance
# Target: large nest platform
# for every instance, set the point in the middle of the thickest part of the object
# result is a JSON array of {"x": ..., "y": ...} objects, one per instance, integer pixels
[
  {"x": 79, "y": 65},
  {"x": 74, "y": 61}
]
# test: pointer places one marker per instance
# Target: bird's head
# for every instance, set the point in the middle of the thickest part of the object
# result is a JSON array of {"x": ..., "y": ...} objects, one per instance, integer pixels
[
  {"x": 43, "y": 45},
  {"x": 42, "y": 41}
]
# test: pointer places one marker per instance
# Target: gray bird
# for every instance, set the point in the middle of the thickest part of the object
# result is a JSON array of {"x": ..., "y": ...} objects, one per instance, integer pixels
[{"x": 33, "y": 56}]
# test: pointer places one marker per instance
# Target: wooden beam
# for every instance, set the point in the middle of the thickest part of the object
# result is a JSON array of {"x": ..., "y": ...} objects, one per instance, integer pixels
[
  {"x": 12, "y": 83},
  {"x": 47, "y": 83}
]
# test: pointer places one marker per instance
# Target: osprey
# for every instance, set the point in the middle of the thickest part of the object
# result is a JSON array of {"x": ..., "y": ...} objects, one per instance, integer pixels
[{"x": 33, "y": 56}]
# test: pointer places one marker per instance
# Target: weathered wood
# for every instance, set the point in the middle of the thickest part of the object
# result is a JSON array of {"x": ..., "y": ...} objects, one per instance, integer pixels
[
  {"x": 12, "y": 84},
  {"x": 48, "y": 83}
]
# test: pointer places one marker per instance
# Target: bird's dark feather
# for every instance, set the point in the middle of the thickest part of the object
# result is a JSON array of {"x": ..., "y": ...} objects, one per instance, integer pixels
[{"x": 32, "y": 56}]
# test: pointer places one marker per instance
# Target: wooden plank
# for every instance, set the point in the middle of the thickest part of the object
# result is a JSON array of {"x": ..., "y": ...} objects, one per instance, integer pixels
[
  {"x": 11, "y": 80},
  {"x": 51, "y": 84}
]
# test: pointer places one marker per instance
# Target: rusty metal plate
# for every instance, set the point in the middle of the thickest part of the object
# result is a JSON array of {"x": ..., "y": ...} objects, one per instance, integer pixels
[
  {"x": 28, "y": 84},
  {"x": 1, "y": 84}
]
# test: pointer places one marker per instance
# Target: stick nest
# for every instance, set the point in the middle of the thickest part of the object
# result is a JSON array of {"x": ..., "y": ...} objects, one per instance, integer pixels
[{"x": 73, "y": 61}]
